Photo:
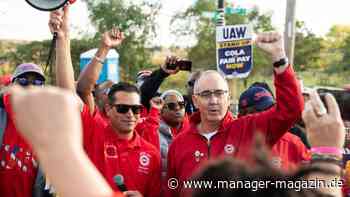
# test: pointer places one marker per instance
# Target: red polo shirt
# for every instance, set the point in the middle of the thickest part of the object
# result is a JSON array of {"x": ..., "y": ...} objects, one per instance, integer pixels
[
  {"x": 136, "y": 160},
  {"x": 18, "y": 167}
]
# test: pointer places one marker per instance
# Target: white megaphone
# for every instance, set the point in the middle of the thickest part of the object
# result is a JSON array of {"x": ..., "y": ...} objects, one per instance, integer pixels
[{"x": 48, "y": 5}]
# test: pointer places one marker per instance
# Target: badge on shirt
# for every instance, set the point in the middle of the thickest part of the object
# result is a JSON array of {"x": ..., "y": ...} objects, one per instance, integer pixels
[
  {"x": 229, "y": 149},
  {"x": 144, "y": 159},
  {"x": 110, "y": 151},
  {"x": 276, "y": 161},
  {"x": 197, "y": 155}
]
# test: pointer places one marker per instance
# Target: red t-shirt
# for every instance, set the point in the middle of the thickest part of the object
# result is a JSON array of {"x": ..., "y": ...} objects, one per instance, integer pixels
[
  {"x": 136, "y": 160},
  {"x": 18, "y": 166}
]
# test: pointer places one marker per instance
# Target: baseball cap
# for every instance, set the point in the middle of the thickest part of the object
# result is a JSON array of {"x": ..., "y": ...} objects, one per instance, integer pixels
[
  {"x": 172, "y": 92},
  {"x": 257, "y": 97},
  {"x": 27, "y": 68}
]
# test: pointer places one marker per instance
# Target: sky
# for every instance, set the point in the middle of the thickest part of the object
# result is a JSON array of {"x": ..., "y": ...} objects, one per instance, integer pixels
[{"x": 21, "y": 22}]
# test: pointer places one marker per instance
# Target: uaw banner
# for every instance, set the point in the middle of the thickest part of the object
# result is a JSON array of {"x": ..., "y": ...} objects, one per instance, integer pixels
[{"x": 234, "y": 52}]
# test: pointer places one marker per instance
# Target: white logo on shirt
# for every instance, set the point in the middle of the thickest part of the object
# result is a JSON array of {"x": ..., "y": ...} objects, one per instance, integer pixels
[
  {"x": 229, "y": 149},
  {"x": 276, "y": 161},
  {"x": 144, "y": 159},
  {"x": 197, "y": 155}
]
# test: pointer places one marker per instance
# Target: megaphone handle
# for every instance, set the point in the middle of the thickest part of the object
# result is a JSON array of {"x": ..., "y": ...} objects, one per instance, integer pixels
[
  {"x": 52, "y": 48},
  {"x": 54, "y": 38}
]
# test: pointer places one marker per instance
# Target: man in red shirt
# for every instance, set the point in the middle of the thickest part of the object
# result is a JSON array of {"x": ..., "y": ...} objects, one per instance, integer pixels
[
  {"x": 214, "y": 132},
  {"x": 116, "y": 149},
  {"x": 289, "y": 152},
  {"x": 18, "y": 165}
]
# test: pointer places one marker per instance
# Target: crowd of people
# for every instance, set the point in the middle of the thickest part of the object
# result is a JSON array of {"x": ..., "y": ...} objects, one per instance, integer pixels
[{"x": 122, "y": 139}]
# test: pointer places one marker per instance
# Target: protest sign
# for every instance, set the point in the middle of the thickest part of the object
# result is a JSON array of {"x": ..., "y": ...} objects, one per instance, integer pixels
[{"x": 234, "y": 52}]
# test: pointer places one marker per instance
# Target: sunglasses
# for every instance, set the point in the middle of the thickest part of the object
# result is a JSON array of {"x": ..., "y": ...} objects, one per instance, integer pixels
[
  {"x": 173, "y": 106},
  {"x": 123, "y": 109},
  {"x": 26, "y": 82}
]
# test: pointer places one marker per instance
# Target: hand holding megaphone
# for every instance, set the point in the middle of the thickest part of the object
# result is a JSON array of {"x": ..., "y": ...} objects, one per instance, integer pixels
[{"x": 59, "y": 22}]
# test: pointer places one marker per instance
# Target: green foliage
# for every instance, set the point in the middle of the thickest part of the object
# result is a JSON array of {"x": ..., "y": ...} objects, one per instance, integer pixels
[
  {"x": 137, "y": 21},
  {"x": 308, "y": 48},
  {"x": 78, "y": 47},
  {"x": 336, "y": 49},
  {"x": 346, "y": 53},
  {"x": 37, "y": 52},
  {"x": 176, "y": 82}
]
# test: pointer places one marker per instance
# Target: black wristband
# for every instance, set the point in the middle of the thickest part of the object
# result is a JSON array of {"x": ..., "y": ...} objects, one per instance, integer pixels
[{"x": 280, "y": 62}]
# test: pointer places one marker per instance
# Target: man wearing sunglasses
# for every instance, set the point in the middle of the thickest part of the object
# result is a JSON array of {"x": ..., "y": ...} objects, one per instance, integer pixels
[
  {"x": 289, "y": 151},
  {"x": 28, "y": 74},
  {"x": 116, "y": 149},
  {"x": 18, "y": 165},
  {"x": 214, "y": 132},
  {"x": 173, "y": 121}
]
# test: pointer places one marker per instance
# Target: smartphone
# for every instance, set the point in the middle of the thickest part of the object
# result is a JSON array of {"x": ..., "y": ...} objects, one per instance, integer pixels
[{"x": 184, "y": 65}]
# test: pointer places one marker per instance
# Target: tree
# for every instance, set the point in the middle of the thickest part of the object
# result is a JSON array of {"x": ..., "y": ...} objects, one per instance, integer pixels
[
  {"x": 36, "y": 52},
  {"x": 195, "y": 23},
  {"x": 344, "y": 64},
  {"x": 136, "y": 20},
  {"x": 308, "y": 48},
  {"x": 336, "y": 49}
]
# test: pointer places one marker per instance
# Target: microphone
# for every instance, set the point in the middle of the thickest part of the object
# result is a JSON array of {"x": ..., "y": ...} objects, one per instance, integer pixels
[{"x": 119, "y": 181}]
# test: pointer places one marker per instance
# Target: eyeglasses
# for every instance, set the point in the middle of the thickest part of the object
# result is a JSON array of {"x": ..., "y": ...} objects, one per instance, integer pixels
[
  {"x": 191, "y": 83},
  {"x": 123, "y": 109},
  {"x": 206, "y": 94},
  {"x": 25, "y": 82},
  {"x": 172, "y": 106}
]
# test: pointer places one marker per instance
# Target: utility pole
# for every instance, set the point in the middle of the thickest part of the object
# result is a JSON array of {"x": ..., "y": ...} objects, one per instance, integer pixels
[
  {"x": 221, "y": 14},
  {"x": 289, "y": 30},
  {"x": 220, "y": 21}
]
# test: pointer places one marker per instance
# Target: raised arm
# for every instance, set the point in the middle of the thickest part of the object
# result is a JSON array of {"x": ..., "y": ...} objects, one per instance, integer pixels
[
  {"x": 289, "y": 102},
  {"x": 59, "y": 23},
  {"x": 90, "y": 74},
  {"x": 152, "y": 83}
]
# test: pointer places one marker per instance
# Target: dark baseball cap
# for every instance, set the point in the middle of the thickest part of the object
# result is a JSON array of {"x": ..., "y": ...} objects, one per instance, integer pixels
[
  {"x": 28, "y": 68},
  {"x": 257, "y": 97}
]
